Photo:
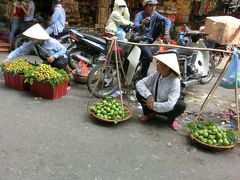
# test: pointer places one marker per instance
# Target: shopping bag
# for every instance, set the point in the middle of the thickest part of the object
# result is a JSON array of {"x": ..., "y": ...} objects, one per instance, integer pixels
[
  {"x": 121, "y": 34},
  {"x": 229, "y": 79}
]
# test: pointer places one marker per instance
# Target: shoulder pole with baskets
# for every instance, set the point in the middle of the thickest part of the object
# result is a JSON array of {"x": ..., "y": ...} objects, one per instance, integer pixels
[{"x": 215, "y": 87}]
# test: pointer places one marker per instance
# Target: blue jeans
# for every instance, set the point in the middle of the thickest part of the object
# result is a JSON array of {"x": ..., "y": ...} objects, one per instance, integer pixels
[{"x": 14, "y": 25}]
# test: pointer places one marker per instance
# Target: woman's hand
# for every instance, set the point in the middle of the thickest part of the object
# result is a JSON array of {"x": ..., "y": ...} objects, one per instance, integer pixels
[
  {"x": 51, "y": 59},
  {"x": 150, "y": 102},
  {"x": 5, "y": 61}
]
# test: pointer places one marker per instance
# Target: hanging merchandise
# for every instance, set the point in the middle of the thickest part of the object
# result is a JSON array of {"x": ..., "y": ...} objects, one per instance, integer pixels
[
  {"x": 229, "y": 79},
  {"x": 206, "y": 6}
]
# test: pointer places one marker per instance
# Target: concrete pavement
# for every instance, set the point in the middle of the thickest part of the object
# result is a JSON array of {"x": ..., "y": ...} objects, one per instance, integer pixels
[{"x": 57, "y": 140}]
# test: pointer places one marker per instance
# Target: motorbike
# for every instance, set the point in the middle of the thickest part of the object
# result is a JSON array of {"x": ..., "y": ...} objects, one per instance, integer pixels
[
  {"x": 106, "y": 75},
  {"x": 217, "y": 57},
  {"x": 87, "y": 48},
  {"x": 195, "y": 66}
]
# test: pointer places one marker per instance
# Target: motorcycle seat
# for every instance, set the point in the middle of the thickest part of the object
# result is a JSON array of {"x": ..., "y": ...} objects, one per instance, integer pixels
[
  {"x": 183, "y": 52},
  {"x": 95, "y": 39}
]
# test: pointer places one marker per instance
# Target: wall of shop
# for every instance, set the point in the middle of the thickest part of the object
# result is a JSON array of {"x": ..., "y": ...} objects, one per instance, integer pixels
[{"x": 95, "y": 13}]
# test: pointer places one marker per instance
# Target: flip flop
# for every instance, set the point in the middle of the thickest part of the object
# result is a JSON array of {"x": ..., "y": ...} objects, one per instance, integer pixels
[
  {"x": 175, "y": 126},
  {"x": 145, "y": 118}
]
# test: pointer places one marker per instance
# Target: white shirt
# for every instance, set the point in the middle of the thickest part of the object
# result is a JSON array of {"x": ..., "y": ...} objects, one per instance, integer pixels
[{"x": 167, "y": 94}]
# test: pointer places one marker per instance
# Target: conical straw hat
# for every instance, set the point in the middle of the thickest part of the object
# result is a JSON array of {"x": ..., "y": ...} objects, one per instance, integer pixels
[
  {"x": 36, "y": 32},
  {"x": 169, "y": 59}
]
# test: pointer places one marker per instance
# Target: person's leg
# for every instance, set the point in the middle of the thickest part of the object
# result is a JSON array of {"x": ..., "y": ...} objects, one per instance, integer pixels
[
  {"x": 142, "y": 101},
  {"x": 14, "y": 25},
  {"x": 146, "y": 58},
  {"x": 158, "y": 30},
  {"x": 178, "y": 109},
  {"x": 60, "y": 63}
]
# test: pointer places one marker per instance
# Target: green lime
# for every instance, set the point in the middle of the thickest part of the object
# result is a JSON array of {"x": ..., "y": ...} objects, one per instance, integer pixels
[
  {"x": 205, "y": 134},
  {"x": 209, "y": 141},
  {"x": 220, "y": 141},
  {"x": 210, "y": 137}
]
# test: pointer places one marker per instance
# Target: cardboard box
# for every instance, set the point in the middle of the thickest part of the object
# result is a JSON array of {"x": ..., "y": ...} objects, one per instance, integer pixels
[{"x": 223, "y": 29}]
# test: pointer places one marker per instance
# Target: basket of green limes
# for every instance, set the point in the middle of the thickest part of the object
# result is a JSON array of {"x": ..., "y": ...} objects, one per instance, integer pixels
[
  {"x": 209, "y": 135},
  {"x": 110, "y": 110}
]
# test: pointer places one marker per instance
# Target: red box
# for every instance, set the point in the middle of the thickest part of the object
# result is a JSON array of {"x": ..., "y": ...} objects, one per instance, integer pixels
[
  {"x": 45, "y": 90},
  {"x": 16, "y": 81}
]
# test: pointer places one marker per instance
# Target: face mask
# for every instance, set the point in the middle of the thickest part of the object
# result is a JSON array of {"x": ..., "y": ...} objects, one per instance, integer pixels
[{"x": 121, "y": 9}]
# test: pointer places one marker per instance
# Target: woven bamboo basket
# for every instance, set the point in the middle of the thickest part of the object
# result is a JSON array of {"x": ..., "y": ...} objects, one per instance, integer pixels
[
  {"x": 126, "y": 108},
  {"x": 208, "y": 146},
  {"x": 81, "y": 79}
]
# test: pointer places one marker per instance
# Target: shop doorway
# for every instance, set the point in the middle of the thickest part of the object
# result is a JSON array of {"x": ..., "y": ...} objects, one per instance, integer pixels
[{"x": 44, "y": 8}]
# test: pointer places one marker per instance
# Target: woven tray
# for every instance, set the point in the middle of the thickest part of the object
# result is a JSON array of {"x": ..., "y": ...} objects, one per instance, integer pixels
[
  {"x": 208, "y": 146},
  {"x": 126, "y": 107},
  {"x": 81, "y": 79}
]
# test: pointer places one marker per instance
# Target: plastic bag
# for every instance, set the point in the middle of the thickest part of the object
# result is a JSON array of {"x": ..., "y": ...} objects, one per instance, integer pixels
[
  {"x": 229, "y": 79},
  {"x": 121, "y": 34}
]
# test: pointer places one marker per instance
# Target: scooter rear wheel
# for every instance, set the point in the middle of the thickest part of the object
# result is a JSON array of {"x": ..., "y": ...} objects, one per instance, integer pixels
[
  {"x": 106, "y": 79},
  {"x": 210, "y": 74},
  {"x": 217, "y": 57},
  {"x": 20, "y": 41}
]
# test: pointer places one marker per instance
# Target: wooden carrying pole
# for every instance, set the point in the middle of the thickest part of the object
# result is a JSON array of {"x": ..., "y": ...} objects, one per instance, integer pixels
[
  {"x": 215, "y": 85},
  {"x": 236, "y": 98}
]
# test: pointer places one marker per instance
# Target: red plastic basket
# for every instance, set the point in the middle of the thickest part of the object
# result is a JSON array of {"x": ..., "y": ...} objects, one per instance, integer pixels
[
  {"x": 45, "y": 90},
  {"x": 16, "y": 81}
]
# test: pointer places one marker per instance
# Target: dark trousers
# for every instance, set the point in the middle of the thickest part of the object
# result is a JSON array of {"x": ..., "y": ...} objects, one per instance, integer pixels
[
  {"x": 60, "y": 63},
  {"x": 147, "y": 51},
  {"x": 178, "y": 109}
]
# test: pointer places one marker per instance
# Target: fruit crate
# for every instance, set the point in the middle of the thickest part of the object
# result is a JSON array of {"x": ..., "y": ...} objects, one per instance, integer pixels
[
  {"x": 16, "y": 81},
  {"x": 45, "y": 90}
]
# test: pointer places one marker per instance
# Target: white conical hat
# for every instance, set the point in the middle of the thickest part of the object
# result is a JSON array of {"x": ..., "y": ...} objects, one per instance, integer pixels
[
  {"x": 170, "y": 59},
  {"x": 36, "y": 32}
]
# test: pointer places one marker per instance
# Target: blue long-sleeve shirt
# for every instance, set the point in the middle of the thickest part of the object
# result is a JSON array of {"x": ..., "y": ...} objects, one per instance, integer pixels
[
  {"x": 148, "y": 30},
  {"x": 51, "y": 46},
  {"x": 58, "y": 20}
]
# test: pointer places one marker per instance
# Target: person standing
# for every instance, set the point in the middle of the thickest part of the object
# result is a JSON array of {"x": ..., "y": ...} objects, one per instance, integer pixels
[
  {"x": 29, "y": 14},
  {"x": 49, "y": 48},
  {"x": 16, "y": 19},
  {"x": 119, "y": 17},
  {"x": 159, "y": 93},
  {"x": 146, "y": 25},
  {"x": 58, "y": 20}
]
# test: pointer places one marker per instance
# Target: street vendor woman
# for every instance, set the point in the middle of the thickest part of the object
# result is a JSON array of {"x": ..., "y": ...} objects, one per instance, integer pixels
[
  {"x": 48, "y": 48},
  {"x": 159, "y": 93}
]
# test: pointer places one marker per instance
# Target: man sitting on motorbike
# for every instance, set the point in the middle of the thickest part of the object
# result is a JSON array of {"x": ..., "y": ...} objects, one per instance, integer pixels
[
  {"x": 159, "y": 93},
  {"x": 58, "y": 20},
  {"x": 48, "y": 48},
  {"x": 146, "y": 25},
  {"x": 120, "y": 17}
]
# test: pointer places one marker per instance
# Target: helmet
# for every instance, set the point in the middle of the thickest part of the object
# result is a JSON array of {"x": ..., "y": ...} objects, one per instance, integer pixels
[
  {"x": 120, "y": 3},
  {"x": 57, "y": 2},
  {"x": 146, "y": 2}
]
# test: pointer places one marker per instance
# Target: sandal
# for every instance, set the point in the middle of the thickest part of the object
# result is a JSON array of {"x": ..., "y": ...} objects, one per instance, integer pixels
[
  {"x": 145, "y": 118},
  {"x": 175, "y": 126}
]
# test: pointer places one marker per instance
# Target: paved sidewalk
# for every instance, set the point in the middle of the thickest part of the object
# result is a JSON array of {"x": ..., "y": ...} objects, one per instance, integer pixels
[{"x": 57, "y": 140}]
